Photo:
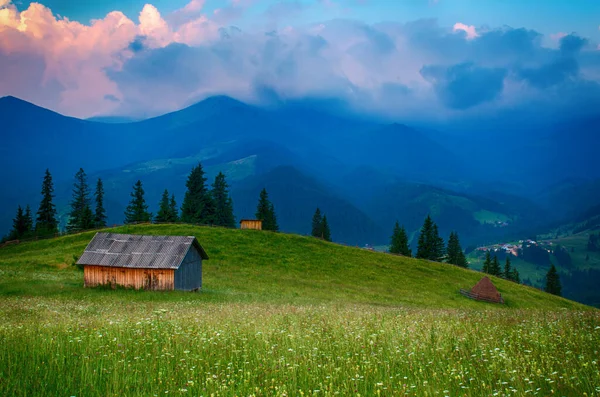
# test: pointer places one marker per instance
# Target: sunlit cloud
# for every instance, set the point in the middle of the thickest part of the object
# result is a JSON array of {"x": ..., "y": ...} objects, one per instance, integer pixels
[
  {"x": 162, "y": 62},
  {"x": 469, "y": 30}
]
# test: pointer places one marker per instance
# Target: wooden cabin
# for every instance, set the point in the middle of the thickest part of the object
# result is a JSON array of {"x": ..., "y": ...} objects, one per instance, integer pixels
[
  {"x": 255, "y": 224},
  {"x": 143, "y": 262}
]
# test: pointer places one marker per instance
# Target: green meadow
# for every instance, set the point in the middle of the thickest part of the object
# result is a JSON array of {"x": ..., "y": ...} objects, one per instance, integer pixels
[{"x": 284, "y": 315}]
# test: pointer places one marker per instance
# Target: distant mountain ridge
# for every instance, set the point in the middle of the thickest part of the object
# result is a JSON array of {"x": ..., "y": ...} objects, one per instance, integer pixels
[{"x": 380, "y": 172}]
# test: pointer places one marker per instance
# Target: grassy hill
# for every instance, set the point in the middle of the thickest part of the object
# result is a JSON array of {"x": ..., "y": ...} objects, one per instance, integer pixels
[
  {"x": 264, "y": 266},
  {"x": 283, "y": 315}
]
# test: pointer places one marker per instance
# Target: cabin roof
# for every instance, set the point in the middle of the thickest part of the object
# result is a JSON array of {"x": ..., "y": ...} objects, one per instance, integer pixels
[
  {"x": 250, "y": 220},
  {"x": 138, "y": 251}
]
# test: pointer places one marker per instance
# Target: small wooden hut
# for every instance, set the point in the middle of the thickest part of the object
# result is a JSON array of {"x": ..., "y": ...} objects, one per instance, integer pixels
[
  {"x": 484, "y": 290},
  {"x": 255, "y": 224},
  {"x": 143, "y": 262}
]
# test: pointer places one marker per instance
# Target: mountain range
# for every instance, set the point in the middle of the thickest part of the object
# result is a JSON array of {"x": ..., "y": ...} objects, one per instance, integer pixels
[{"x": 364, "y": 174}]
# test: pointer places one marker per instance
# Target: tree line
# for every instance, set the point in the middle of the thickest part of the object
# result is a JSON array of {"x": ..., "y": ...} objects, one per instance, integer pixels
[
  {"x": 81, "y": 216},
  {"x": 430, "y": 245},
  {"x": 201, "y": 205},
  {"x": 492, "y": 267}
]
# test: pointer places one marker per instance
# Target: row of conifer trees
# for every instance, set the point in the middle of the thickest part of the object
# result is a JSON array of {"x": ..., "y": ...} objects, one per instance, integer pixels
[
  {"x": 430, "y": 245},
  {"x": 201, "y": 205},
  {"x": 46, "y": 223}
]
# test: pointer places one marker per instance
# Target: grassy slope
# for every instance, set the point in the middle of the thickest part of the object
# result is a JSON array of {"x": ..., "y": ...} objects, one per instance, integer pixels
[
  {"x": 268, "y": 267},
  {"x": 284, "y": 315}
]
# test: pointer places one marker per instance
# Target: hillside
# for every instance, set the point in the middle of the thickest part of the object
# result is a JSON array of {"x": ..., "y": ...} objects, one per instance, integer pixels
[
  {"x": 264, "y": 266},
  {"x": 283, "y": 315},
  {"x": 296, "y": 197}
]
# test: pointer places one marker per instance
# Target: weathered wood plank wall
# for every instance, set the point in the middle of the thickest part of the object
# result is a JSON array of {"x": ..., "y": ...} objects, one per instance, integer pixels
[
  {"x": 251, "y": 224},
  {"x": 153, "y": 279}
]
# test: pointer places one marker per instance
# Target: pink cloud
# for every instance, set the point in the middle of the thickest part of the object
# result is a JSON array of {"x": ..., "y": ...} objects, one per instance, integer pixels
[
  {"x": 557, "y": 36},
  {"x": 468, "y": 29},
  {"x": 76, "y": 56}
]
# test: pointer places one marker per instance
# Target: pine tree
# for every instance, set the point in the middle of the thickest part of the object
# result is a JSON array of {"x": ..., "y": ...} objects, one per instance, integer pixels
[
  {"x": 425, "y": 245},
  {"x": 437, "y": 242},
  {"x": 265, "y": 211},
  {"x": 164, "y": 211},
  {"x": 223, "y": 203},
  {"x": 79, "y": 217},
  {"x": 19, "y": 225},
  {"x": 553, "y": 285},
  {"x": 325, "y": 228},
  {"x": 137, "y": 210},
  {"x": 430, "y": 245},
  {"x": 100, "y": 213},
  {"x": 198, "y": 206},
  {"x": 46, "y": 222},
  {"x": 508, "y": 273},
  {"x": 454, "y": 252},
  {"x": 399, "y": 241},
  {"x": 272, "y": 219},
  {"x": 317, "y": 223},
  {"x": 28, "y": 221},
  {"x": 487, "y": 264},
  {"x": 495, "y": 267},
  {"x": 515, "y": 276},
  {"x": 173, "y": 212}
]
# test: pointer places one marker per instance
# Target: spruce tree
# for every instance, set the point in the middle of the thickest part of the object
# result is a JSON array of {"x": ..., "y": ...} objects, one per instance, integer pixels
[
  {"x": 515, "y": 276},
  {"x": 399, "y": 241},
  {"x": 173, "y": 212},
  {"x": 28, "y": 221},
  {"x": 325, "y": 228},
  {"x": 164, "y": 211},
  {"x": 46, "y": 222},
  {"x": 100, "y": 213},
  {"x": 495, "y": 267},
  {"x": 438, "y": 247},
  {"x": 80, "y": 217},
  {"x": 553, "y": 285},
  {"x": 265, "y": 211},
  {"x": 198, "y": 206},
  {"x": 19, "y": 225},
  {"x": 487, "y": 263},
  {"x": 137, "y": 210},
  {"x": 508, "y": 273},
  {"x": 222, "y": 202},
  {"x": 317, "y": 223},
  {"x": 272, "y": 219},
  {"x": 425, "y": 245},
  {"x": 454, "y": 252}
]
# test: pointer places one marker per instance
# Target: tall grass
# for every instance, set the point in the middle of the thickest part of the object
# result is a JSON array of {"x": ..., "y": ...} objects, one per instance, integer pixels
[{"x": 49, "y": 348}]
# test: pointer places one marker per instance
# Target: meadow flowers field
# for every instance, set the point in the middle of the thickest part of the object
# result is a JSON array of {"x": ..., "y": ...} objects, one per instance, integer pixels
[
  {"x": 57, "y": 347},
  {"x": 285, "y": 315}
]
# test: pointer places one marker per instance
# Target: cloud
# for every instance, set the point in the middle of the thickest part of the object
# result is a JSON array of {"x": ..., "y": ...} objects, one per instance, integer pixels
[
  {"x": 111, "y": 98},
  {"x": 551, "y": 74},
  {"x": 470, "y": 31},
  {"x": 465, "y": 85},
  {"x": 572, "y": 43},
  {"x": 161, "y": 62}
]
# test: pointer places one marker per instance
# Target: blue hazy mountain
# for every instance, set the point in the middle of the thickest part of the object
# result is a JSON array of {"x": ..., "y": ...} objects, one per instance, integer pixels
[{"x": 379, "y": 172}]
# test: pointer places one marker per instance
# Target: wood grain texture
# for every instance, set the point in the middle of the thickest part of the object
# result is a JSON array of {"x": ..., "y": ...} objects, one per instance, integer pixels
[{"x": 152, "y": 279}]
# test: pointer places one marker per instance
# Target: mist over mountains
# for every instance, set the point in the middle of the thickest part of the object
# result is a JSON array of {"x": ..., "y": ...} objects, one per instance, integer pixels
[{"x": 486, "y": 181}]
